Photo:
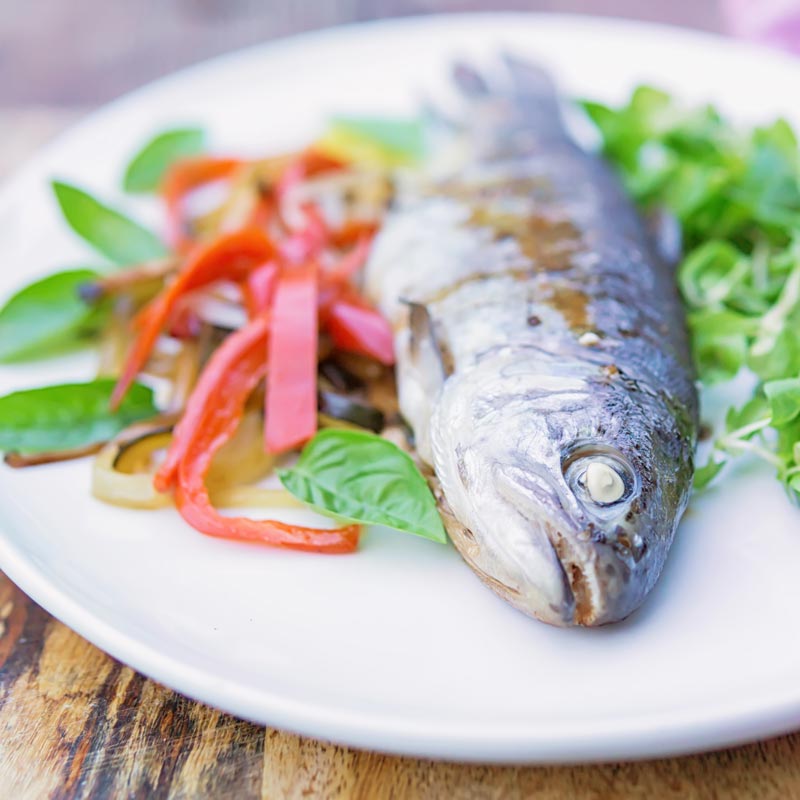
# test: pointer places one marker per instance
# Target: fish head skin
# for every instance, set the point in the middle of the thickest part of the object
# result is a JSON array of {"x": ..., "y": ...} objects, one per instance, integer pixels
[{"x": 567, "y": 479}]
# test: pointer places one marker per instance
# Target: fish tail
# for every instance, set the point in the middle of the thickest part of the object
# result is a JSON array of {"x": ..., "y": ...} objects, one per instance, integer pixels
[{"x": 523, "y": 96}]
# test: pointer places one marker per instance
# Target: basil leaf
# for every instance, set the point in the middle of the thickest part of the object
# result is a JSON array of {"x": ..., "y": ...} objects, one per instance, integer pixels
[
  {"x": 361, "y": 477},
  {"x": 118, "y": 238},
  {"x": 68, "y": 415},
  {"x": 47, "y": 313},
  {"x": 147, "y": 167}
]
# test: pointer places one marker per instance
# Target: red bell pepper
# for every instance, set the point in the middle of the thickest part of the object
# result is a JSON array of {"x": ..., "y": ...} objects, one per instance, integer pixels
[
  {"x": 180, "y": 179},
  {"x": 291, "y": 398},
  {"x": 349, "y": 264},
  {"x": 360, "y": 329},
  {"x": 306, "y": 165},
  {"x": 231, "y": 257},
  {"x": 212, "y": 416},
  {"x": 239, "y": 360},
  {"x": 352, "y": 232},
  {"x": 259, "y": 288},
  {"x": 184, "y": 322},
  {"x": 353, "y": 324},
  {"x": 308, "y": 241}
]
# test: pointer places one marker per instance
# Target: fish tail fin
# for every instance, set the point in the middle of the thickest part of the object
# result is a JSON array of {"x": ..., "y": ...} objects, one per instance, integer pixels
[{"x": 522, "y": 97}]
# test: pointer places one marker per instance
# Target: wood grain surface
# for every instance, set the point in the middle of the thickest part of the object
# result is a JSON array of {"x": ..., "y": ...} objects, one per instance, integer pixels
[{"x": 75, "y": 723}]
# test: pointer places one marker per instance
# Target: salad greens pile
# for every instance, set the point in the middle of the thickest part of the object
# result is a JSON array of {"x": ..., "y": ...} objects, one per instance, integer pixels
[{"x": 736, "y": 193}]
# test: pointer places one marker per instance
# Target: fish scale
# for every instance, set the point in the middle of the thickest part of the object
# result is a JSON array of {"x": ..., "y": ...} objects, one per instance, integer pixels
[{"x": 539, "y": 334}]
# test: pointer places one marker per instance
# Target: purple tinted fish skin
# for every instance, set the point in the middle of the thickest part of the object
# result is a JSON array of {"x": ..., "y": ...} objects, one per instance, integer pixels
[{"x": 544, "y": 364}]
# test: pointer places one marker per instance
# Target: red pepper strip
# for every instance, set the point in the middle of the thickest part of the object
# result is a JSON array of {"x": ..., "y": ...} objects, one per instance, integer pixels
[
  {"x": 259, "y": 287},
  {"x": 212, "y": 416},
  {"x": 184, "y": 322},
  {"x": 230, "y": 256},
  {"x": 306, "y": 243},
  {"x": 352, "y": 262},
  {"x": 308, "y": 164},
  {"x": 141, "y": 317},
  {"x": 181, "y": 178},
  {"x": 351, "y": 233},
  {"x": 291, "y": 399},
  {"x": 290, "y": 177},
  {"x": 232, "y": 361},
  {"x": 356, "y": 327},
  {"x": 194, "y": 505},
  {"x": 317, "y": 162},
  {"x": 264, "y": 210}
]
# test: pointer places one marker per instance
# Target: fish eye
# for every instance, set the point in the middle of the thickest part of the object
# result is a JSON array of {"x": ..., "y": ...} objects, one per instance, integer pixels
[{"x": 599, "y": 475}]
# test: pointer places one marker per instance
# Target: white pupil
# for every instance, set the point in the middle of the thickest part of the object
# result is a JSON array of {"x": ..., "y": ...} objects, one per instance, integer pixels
[{"x": 603, "y": 483}]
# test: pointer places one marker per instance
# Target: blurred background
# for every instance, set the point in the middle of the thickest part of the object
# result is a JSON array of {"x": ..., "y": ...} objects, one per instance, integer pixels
[
  {"x": 84, "y": 52},
  {"x": 61, "y": 58}
]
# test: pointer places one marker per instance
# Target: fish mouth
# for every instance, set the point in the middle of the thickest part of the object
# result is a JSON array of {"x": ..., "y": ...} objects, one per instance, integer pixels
[
  {"x": 605, "y": 586},
  {"x": 586, "y": 604}
]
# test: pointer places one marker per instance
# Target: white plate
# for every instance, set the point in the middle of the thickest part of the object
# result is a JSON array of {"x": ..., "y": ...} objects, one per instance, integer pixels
[{"x": 400, "y": 647}]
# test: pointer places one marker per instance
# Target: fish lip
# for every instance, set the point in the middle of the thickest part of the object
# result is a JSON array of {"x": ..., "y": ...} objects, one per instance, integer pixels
[
  {"x": 584, "y": 606},
  {"x": 607, "y": 586},
  {"x": 542, "y": 493}
]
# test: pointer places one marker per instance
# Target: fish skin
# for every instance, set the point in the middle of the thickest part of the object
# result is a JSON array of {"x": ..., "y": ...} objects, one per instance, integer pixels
[{"x": 538, "y": 330}]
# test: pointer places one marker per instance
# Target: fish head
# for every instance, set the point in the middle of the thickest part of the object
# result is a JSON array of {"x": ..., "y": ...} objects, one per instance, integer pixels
[{"x": 567, "y": 480}]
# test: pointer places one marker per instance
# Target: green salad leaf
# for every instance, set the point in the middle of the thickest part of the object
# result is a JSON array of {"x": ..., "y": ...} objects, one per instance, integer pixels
[
  {"x": 120, "y": 239},
  {"x": 360, "y": 477},
  {"x": 784, "y": 400},
  {"x": 705, "y": 474},
  {"x": 147, "y": 167},
  {"x": 736, "y": 193},
  {"x": 48, "y": 313},
  {"x": 68, "y": 415}
]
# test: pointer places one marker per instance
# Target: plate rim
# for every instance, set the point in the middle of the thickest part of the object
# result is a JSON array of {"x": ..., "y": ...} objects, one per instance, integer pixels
[{"x": 653, "y": 735}]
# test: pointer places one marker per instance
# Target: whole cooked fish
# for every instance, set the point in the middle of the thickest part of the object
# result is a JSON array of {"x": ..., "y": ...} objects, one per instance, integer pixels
[{"x": 542, "y": 359}]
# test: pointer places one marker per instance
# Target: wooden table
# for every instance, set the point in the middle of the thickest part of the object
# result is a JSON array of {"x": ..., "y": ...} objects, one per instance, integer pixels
[{"x": 75, "y": 723}]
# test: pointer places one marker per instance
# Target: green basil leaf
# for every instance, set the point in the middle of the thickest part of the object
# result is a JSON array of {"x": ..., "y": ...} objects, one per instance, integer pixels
[
  {"x": 704, "y": 475},
  {"x": 361, "y": 477},
  {"x": 147, "y": 167},
  {"x": 784, "y": 399},
  {"x": 68, "y": 415},
  {"x": 45, "y": 314},
  {"x": 118, "y": 238}
]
